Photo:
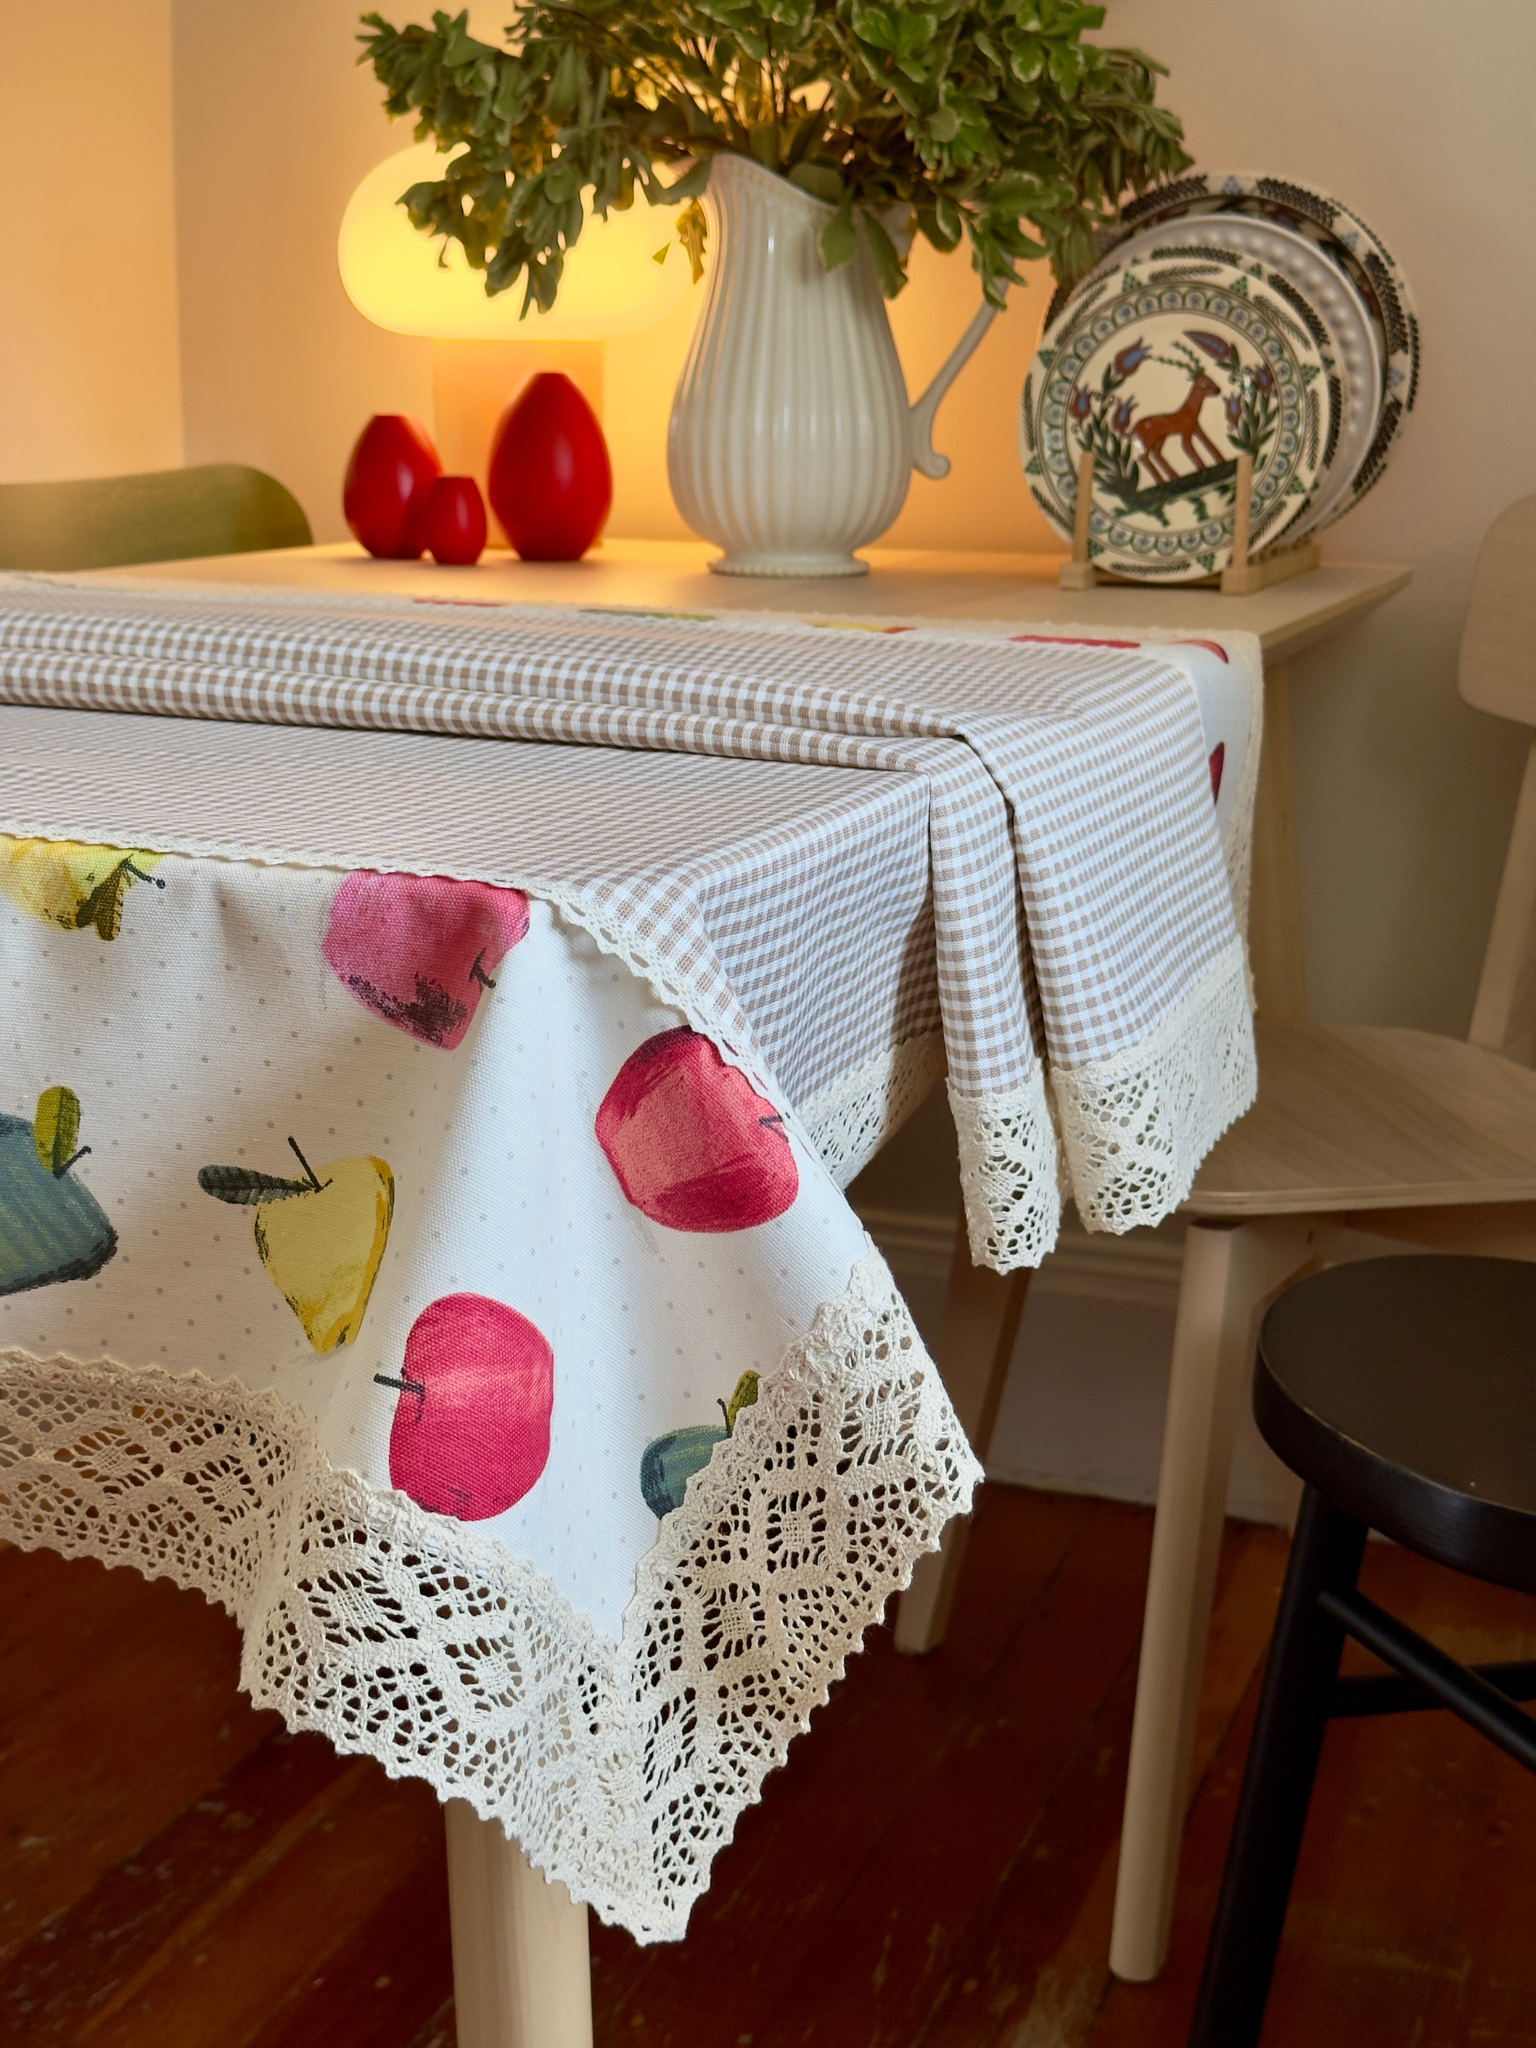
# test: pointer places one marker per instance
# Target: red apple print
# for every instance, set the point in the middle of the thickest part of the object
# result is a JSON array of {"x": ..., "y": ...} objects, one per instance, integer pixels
[
  {"x": 1069, "y": 640},
  {"x": 418, "y": 950},
  {"x": 692, "y": 1142},
  {"x": 1218, "y": 761},
  {"x": 384, "y": 496},
  {"x": 471, "y": 1428},
  {"x": 1212, "y": 646}
]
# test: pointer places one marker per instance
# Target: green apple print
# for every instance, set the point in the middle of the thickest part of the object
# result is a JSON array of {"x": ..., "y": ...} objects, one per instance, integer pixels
[
  {"x": 669, "y": 1462},
  {"x": 51, "y": 1226}
]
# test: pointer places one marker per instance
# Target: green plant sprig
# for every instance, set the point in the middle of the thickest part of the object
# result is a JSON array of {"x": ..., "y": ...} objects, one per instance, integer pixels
[{"x": 956, "y": 119}]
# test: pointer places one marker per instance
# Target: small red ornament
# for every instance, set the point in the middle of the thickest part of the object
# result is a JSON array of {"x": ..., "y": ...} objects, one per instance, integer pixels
[
  {"x": 385, "y": 494},
  {"x": 550, "y": 484},
  {"x": 455, "y": 519}
]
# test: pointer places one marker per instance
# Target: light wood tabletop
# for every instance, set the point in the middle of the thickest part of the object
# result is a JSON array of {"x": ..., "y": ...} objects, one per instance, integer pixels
[{"x": 903, "y": 582}]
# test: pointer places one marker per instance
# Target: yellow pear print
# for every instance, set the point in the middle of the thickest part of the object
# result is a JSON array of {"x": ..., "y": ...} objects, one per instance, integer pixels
[
  {"x": 65, "y": 883},
  {"x": 321, "y": 1238}
]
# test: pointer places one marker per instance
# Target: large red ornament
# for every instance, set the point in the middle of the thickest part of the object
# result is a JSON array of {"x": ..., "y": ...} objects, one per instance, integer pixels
[
  {"x": 455, "y": 525},
  {"x": 385, "y": 495},
  {"x": 550, "y": 483}
]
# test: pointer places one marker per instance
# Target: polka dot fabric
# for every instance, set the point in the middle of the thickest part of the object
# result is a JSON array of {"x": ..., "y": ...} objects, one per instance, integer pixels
[{"x": 363, "y": 1240}]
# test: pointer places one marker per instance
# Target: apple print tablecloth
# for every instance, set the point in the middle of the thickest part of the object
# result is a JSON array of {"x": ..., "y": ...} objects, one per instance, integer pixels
[
  {"x": 1090, "y": 988},
  {"x": 416, "y": 1224},
  {"x": 385, "y": 1255}
]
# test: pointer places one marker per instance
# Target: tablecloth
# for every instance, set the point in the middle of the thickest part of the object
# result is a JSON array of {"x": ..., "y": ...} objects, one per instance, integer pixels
[
  {"x": 384, "y": 1257},
  {"x": 1090, "y": 969},
  {"x": 415, "y": 1229}
]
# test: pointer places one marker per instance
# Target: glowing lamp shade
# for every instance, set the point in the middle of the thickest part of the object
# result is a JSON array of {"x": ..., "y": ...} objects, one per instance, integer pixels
[{"x": 612, "y": 283}]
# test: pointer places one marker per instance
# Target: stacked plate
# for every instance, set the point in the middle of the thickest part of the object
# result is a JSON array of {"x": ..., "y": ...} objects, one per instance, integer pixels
[{"x": 1227, "y": 315}]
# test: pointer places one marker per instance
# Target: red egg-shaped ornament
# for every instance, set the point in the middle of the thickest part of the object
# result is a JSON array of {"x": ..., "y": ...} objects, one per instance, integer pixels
[
  {"x": 389, "y": 475},
  {"x": 455, "y": 520},
  {"x": 550, "y": 482}
]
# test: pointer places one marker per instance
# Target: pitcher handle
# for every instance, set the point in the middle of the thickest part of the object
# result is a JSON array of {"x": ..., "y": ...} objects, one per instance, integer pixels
[{"x": 924, "y": 457}]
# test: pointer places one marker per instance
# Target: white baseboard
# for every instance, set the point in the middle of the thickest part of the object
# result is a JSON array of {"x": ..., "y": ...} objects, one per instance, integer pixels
[
  {"x": 1143, "y": 1267},
  {"x": 1083, "y": 1410}
]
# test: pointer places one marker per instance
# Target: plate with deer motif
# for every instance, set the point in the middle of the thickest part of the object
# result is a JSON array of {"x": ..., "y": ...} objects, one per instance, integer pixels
[
  {"x": 1324, "y": 298},
  {"x": 1169, "y": 369},
  {"x": 1344, "y": 239}
]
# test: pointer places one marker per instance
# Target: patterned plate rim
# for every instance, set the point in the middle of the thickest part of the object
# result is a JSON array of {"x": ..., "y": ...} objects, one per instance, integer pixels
[{"x": 1400, "y": 369}]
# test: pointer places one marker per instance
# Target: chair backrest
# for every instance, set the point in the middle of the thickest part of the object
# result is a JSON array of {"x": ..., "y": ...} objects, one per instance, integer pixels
[
  {"x": 1497, "y": 673},
  {"x": 166, "y": 515}
]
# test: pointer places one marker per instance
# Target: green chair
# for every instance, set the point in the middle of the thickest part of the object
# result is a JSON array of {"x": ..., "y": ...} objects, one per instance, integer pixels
[{"x": 166, "y": 515}]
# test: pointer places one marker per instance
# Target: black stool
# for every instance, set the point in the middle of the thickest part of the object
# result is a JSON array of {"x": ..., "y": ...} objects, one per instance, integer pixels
[{"x": 1403, "y": 1391}]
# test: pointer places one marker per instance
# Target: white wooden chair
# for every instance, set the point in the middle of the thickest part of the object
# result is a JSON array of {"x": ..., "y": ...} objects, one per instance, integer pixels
[{"x": 1399, "y": 1133}]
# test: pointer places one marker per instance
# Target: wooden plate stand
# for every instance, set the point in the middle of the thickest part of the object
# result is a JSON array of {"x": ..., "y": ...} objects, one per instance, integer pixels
[{"x": 1240, "y": 578}]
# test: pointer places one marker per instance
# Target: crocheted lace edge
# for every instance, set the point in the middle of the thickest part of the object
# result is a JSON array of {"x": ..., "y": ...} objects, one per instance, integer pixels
[
  {"x": 620, "y": 1768},
  {"x": 1010, "y": 1173},
  {"x": 1136, "y": 1126},
  {"x": 851, "y": 1119}
]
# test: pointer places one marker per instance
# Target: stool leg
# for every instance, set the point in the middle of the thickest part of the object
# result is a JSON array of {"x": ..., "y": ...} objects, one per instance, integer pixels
[
  {"x": 1277, "y": 1780},
  {"x": 521, "y": 1977},
  {"x": 1229, "y": 1273}
]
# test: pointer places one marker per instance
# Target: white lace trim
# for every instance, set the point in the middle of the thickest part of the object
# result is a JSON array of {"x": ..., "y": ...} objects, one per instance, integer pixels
[
  {"x": 1010, "y": 1166},
  {"x": 619, "y": 1767},
  {"x": 1137, "y": 1126},
  {"x": 849, "y": 1121}
]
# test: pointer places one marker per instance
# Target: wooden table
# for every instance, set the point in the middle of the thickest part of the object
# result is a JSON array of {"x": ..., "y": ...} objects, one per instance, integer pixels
[
  {"x": 509, "y": 1927},
  {"x": 1289, "y": 618}
]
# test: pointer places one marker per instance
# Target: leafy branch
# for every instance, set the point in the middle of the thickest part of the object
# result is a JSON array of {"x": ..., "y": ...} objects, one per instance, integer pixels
[{"x": 990, "y": 121}]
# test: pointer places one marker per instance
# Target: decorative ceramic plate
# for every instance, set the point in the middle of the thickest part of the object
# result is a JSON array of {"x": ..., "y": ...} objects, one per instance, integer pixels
[
  {"x": 1324, "y": 297},
  {"x": 1346, "y": 240},
  {"x": 1168, "y": 369}
]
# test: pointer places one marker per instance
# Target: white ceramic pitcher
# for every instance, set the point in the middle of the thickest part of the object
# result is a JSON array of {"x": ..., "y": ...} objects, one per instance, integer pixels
[{"x": 791, "y": 441}]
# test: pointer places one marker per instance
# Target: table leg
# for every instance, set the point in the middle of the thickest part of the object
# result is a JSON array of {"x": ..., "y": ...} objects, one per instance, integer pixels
[
  {"x": 521, "y": 1977},
  {"x": 1274, "y": 920},
  {"x": 981, "y": 1321}
]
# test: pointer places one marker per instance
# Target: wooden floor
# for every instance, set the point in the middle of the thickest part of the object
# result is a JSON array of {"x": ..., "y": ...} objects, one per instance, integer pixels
[{"x": 933, "y": 1869}]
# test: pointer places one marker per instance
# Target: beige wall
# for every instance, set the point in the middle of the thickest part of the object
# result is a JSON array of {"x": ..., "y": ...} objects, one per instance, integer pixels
[
  {"x": 89, "y": 377},
  {"x": 275, "y": 124}
]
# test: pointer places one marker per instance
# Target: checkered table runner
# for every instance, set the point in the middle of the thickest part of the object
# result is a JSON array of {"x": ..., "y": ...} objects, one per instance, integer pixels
[{"x": 1089, "y": 971}]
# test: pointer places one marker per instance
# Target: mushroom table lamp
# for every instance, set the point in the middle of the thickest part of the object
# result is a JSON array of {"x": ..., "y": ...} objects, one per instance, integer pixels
[{"x": 483, "y": 348}]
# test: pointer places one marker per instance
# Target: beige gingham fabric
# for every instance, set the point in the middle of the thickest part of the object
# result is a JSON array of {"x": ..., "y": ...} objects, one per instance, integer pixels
[
  {"x": 1082, "y": 914},
  {"x": 787, "y": 906}
]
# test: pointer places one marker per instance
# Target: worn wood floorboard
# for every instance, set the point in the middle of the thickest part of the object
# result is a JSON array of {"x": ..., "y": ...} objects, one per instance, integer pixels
[
  {"x": 778, "y": 1885},
  {"x": 933, "y": 1869},
  {"x": 1411, "y": 1918}
]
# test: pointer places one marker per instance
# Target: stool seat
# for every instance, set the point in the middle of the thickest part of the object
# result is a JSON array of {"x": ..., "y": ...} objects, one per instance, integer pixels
[{"x": 1404, "y": 1390}]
